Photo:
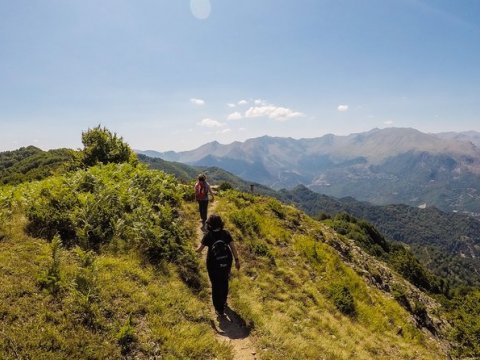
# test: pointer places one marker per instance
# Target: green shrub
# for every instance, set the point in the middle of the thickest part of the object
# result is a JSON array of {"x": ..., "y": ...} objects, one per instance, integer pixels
[
  {"x": 224, "y": 186},
  {"x": 119, "y": 206},
  {"x": 400, "y": 296},
  {"x": 84, "y": 289},
  {"x": 126, "y": 336},
  {"x": 50, "y": 280},
  {"x": 261, "y": 249},
  {"x": 409, "y": 267},
  {"x": 96, "y": 218},
  {"x": 246, "y": 221},
  {"x": 51, "y": 212},
  {"x": 103, "y": 146},
  {"x": 465, "y": 318},
  {"x": 419, "y": 309},
  {"x": 342, "y": 298},
  {"x": 323, "y": 216},
  {"x": 277, "y": 209}
]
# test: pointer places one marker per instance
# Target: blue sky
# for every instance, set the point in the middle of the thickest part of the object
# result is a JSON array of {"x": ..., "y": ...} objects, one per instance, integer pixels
[{"x": 175, "y": 74}]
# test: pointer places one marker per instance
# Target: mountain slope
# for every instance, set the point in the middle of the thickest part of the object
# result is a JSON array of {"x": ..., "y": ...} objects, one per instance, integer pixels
[
  {"x": 472, "y": 136},
  {"x": 448, "y": 244},
  {"x": 126, "y": 276},
  {"x": 381, "y": 166}
]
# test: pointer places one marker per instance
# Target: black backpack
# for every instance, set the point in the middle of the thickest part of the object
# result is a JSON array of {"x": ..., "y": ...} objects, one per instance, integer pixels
[{"x": 221, "y": 256}]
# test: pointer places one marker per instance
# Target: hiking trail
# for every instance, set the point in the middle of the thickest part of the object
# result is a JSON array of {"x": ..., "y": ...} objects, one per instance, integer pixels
[{"x": 230, "y": 329}]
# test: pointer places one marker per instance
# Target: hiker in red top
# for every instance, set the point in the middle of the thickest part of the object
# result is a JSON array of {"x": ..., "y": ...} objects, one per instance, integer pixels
[{"x": 202, "y": 189}]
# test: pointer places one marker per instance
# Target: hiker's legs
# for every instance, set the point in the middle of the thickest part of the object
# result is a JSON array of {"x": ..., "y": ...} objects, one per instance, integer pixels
[
  {"x": 203, "y": 209},
  {"x": 223, "y": 292},
  {"x": 220, "y": 293},
  {"x": 219, "y": 290}
]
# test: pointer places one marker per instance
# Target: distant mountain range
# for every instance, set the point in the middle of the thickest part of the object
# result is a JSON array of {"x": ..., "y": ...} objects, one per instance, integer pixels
[{"x": 382, "y": 166}]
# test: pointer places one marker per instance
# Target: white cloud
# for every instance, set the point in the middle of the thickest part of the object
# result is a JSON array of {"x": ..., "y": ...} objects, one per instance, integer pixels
[
  {"x": 272, "y": 112},
  {"x": 210, "y": 123},
  {"x": 342, "y": 108},
  {"x": 231, "y": 105},
  {"x": 242, "y": 102},
  {"x": 388, "y": 122},
  {"x": 224, "y": 131},
  {"x": 234, "y": 116},
  {"x": 261, "y": 102},
  {"x": 198, "y": 102}
]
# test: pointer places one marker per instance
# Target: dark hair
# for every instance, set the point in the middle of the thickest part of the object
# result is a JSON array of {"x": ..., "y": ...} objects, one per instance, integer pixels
[
  {"x": 201, "y": 177},
  {"x": 214, "y": 222}
]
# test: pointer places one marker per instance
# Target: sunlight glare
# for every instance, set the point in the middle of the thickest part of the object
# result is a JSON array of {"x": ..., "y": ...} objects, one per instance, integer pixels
[{"x": 200, "y": 8}]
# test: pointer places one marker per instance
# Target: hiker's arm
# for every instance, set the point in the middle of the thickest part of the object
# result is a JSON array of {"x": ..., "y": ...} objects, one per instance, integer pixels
[
  {"x": 199, "y": 248},
  {"x": 235, "y": 255},
  {"x": 211, "y": 192}
]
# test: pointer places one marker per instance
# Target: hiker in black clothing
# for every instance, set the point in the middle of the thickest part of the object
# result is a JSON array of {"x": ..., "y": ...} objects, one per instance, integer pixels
[
  {"x": 219, "y": 260},
  {"x": 202, "y": 189}
]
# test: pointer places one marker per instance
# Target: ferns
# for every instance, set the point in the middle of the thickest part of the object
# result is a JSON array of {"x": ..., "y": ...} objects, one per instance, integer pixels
[{"x": 109, "y": 204}]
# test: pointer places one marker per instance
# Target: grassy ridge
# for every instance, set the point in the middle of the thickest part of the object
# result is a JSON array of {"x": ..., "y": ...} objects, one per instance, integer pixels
[
  {"x": 125, "y": 282},
  {"x": 300, "y": 296},
  {"x": 128, "y": 285},
  {"x": 129, "y": 309}
]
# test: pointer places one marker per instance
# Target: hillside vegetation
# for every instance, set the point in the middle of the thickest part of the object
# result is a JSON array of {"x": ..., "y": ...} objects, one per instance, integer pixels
[
  {"x": 98, "y": 262},
  {"x": 121, "y": 276},
  {"x": 447, "y": 243}
]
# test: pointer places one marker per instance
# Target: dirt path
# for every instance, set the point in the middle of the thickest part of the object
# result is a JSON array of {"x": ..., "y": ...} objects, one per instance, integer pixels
[{"x": 231, "y": 328}]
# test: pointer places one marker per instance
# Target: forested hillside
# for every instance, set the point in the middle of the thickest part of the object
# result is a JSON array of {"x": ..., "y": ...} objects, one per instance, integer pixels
[
  {"x": 447, "y": 243},
  {"x": 98, "y": 262},
  {"x": 31, "y": 163}
]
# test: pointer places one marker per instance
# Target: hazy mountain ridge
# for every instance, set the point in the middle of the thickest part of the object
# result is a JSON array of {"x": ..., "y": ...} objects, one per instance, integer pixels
[
  {"x": 395, "y": 165},
  {"x": 472, "y": 136}
]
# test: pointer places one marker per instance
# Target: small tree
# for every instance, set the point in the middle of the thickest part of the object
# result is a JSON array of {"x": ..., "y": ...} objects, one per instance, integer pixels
[
  {"x": 51, "y": 278},
  {"x": 224, "y": 186},
  {"x": 103, "y": 146}
]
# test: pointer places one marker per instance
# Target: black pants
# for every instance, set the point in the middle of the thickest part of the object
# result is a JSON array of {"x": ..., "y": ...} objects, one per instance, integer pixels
[
  {"x": 219, "y": 282},
  {"x": 203, "y": 208}
]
